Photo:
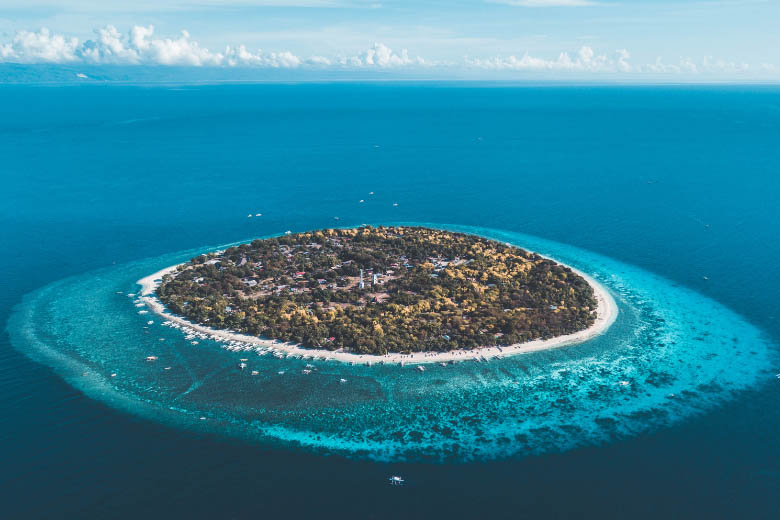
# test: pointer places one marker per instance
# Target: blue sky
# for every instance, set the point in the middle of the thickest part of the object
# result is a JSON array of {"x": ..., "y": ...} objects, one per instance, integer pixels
[{"x": 685, "y": 39}]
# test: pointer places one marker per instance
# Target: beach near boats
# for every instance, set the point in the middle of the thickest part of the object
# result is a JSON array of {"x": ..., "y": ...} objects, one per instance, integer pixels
[{"x": 606, "y": 313}]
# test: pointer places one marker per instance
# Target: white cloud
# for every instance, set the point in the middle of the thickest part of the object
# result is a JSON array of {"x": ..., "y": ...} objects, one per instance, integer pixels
[
  {"x": 241, "y": 57},
  {"x": 41, "y": 46},
  {"x": 319, "y": 61},
  {"x": 140, "y": 46},
  {"x": 586, "y": 60},
  {"x": 707, "y": 65},
  {"x": 382, "y": 56}
]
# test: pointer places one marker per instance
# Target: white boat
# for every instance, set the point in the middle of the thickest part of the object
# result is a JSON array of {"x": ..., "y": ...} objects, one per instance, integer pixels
[
  {"x": 342, "y": 380},
  {"x": 242, "y": 366},
  {"x": 421, "y": 368},
  {"x": 396, "y": 480},
  {"x": 151, "y": 358}
]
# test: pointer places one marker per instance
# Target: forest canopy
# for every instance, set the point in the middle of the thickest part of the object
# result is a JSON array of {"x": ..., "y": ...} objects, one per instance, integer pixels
[{"x": 374, "y": 290}]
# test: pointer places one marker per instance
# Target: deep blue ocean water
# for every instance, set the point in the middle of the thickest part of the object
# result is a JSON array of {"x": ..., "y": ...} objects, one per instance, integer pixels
[{"x": 681, "y": 182}]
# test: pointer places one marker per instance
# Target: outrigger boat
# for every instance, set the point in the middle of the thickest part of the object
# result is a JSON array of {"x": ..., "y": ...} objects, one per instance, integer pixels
[{"x": 396, "y": 480}]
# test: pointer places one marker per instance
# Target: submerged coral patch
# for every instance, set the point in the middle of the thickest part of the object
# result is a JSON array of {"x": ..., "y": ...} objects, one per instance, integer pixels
[{"x": 670, "y": 354}]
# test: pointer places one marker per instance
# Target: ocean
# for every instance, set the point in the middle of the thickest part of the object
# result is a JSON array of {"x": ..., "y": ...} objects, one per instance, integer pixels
[{"x": 667, "y": 194}]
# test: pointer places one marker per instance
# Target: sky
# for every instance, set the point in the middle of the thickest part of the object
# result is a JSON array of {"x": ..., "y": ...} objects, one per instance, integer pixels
[{"x": 678, "y": 40}]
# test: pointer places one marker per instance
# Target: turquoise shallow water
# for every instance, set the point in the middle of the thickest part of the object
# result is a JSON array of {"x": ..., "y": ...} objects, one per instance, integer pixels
[
  {"x": 679, "y": 352},
  {"x": 677, "y": 181}
]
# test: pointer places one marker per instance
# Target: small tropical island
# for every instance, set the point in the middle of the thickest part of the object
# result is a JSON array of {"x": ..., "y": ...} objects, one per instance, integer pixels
[{"x": 381, "y": 290}]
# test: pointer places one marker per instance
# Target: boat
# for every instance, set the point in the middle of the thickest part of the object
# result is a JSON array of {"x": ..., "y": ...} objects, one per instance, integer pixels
[
  {"x": 342, "y": 380},
  {"x": 151, "y": 358},
  {"x": 242, "y": 366},
  {"x": 396, "y": 480},
  {"x": 421, "y": 368}
]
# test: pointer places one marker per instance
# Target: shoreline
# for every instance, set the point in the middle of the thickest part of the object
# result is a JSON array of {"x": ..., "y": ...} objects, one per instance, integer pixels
[{"x": 606, "y": 313}]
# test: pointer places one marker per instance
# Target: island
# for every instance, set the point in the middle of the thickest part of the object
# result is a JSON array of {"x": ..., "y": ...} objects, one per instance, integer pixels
[{"x": 373, "y": 291}]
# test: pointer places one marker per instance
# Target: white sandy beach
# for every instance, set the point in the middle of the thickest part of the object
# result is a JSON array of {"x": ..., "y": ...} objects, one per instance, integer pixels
[{"x": 606, "y": 313}]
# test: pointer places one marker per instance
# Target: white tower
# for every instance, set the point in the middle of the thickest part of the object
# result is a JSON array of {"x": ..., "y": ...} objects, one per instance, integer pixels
[{"x": 362, "y": 285}]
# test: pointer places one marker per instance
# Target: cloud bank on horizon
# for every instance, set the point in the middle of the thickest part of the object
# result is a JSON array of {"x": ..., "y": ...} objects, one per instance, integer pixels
[{"x": 141, "y": 46}]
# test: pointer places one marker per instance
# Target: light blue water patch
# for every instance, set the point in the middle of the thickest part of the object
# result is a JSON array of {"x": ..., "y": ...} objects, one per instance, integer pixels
[{"x": 671, "y": 354}]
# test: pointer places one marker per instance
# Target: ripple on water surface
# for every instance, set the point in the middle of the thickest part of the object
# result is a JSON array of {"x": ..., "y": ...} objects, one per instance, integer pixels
[{"x": 670, "y": 354}]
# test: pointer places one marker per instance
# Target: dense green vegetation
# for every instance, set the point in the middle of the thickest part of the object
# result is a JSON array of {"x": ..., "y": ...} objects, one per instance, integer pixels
[{"x": 422, "y": 290}]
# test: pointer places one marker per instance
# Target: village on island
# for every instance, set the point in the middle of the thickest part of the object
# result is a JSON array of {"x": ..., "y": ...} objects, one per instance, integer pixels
[{"x": 374, "y": 295}]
